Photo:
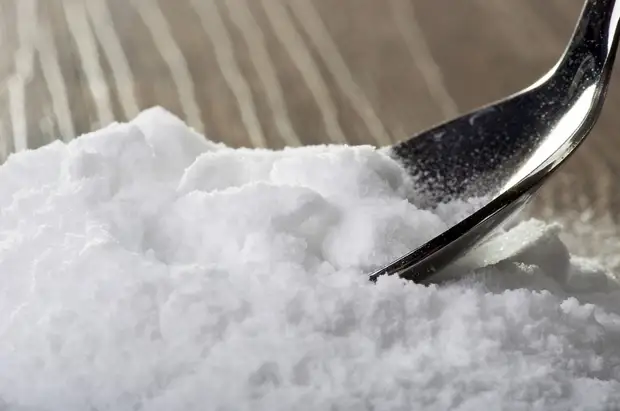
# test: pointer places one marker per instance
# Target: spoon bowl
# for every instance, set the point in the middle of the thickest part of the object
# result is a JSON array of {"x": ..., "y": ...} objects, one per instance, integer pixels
[{"x": 505, "y": 151}]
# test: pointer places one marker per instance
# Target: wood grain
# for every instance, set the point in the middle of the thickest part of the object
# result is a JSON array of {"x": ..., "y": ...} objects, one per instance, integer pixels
[{"x": 278, "y": 73}]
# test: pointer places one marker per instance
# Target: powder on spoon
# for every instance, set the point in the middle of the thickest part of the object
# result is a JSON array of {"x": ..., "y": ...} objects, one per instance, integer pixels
[{"x": 146, "y": 268}]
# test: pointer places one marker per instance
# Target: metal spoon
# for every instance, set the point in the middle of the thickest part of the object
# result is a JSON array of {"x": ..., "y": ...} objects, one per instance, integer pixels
[{"x": 507, "y": 150}]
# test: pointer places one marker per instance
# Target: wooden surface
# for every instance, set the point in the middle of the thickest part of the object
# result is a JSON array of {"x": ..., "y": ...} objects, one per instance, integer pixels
[{"x": 290, "y": 72}]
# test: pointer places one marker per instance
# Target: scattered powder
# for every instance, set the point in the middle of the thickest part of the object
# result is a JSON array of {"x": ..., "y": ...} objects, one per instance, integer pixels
[{"x": 146, "y": 268}]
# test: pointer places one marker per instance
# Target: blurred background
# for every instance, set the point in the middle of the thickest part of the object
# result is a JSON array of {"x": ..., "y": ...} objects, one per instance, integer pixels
[{"x": 271, "y": 73}]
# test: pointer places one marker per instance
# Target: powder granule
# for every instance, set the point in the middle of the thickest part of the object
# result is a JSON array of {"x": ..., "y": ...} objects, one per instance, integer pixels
[{"x": 146, "y": 268}]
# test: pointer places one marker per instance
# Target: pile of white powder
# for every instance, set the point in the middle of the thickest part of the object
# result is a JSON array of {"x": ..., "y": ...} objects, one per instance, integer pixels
[{"x": 145, "y": 268}]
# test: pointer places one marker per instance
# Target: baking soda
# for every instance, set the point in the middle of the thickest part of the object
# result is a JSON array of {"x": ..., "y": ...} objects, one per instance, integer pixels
[{"x": 145, "y": 268}]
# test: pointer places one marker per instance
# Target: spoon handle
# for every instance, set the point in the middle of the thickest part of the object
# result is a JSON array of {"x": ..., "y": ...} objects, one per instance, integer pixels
[{"x": 592, "y": 48}]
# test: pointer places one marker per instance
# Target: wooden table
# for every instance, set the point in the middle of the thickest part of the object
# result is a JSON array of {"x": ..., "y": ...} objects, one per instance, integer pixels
[{"x": 290, "y": 72}]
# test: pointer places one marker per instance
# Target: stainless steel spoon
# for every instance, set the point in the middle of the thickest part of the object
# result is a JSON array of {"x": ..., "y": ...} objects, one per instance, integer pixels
[{"x": 508, "y": 149}]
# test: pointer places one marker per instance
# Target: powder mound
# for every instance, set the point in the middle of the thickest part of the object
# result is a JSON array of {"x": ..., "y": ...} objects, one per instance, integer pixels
[{"x": 146, "y": 268}]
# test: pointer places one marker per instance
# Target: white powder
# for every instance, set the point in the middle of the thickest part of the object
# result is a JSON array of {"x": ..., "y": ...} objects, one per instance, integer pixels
[{"x": 145, "y": 268}]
